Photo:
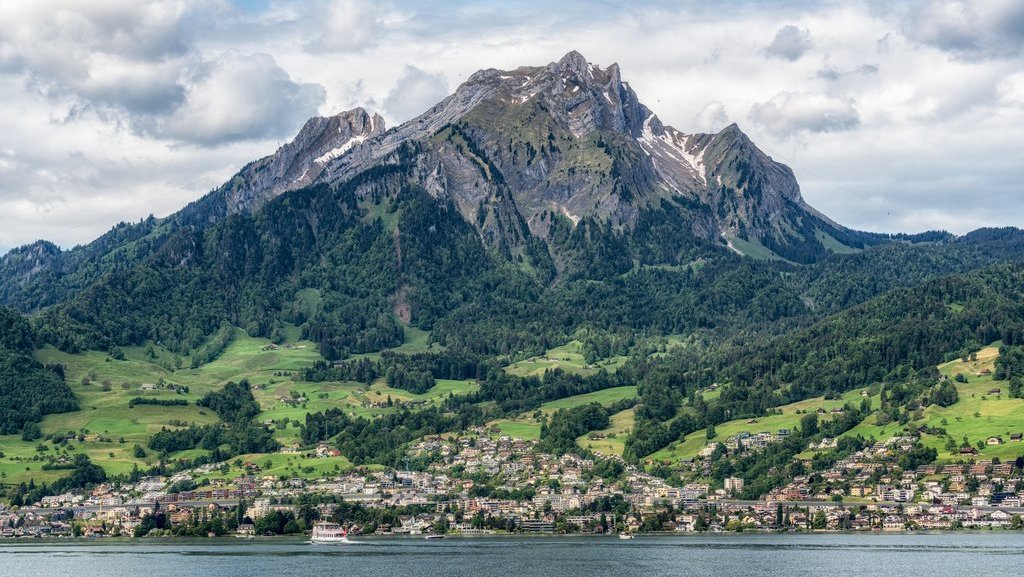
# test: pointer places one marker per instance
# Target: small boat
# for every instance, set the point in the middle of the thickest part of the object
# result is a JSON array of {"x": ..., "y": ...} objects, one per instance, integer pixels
[
  {"x": 325, "y": 532},
  {"x": 625, "y": 536},
  {"x": 433, "y": 537}
]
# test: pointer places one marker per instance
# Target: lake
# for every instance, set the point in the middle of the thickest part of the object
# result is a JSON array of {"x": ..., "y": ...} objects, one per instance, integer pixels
[{"x": 848, "y": 555}]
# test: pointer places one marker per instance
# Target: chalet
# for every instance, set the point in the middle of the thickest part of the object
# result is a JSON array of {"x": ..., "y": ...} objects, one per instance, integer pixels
[
  {"x": 994, "y": 441},
  {"x": 968, "y": 450},
  {"x": 148, "y": 387},
  {"x": 1016, "y": 437},
  {"x": 995, "y": 391}
]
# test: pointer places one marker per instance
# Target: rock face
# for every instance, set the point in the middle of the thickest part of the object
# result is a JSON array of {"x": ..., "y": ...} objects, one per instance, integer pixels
[
  {"x": 572, "y": 140},
  {"x": 297, "y": 164},
  {"x": 525, "y": 155},
  {"x": 518, "y": 150}
]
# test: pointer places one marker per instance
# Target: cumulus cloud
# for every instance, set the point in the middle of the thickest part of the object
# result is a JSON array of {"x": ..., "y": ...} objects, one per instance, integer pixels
[
  {"x": 415, "y": 92},
  {"x": 348, "y": 25},
  {"x": 134, "y": 64},
  {"x": 791, "y": 112},
  {"x": 240, "y": 98},
  {"x": 711, "y": 118},
  {"x": 833, "y": 73},
  {"x": 122, "y": 54},
  {"x": 969, "y": 29},
  {"x": 1011, "y": 90},
  {"x": 790, "y": 43},
  {"x": 121, "y": 108}
]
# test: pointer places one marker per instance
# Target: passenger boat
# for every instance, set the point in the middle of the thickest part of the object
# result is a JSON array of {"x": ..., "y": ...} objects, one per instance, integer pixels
[
  {"x": 324, "y": 532},
  {"x": 625, "y": 536}
]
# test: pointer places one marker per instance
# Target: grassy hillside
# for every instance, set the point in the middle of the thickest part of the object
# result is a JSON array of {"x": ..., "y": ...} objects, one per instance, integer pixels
[
  {"x": 611, "y": 440},
  {"x": 979, "y": 413},
  {"x": 568, "y": 357},
  {"x": 107, "y": 429},
  {"x": 692, "y": 444}
]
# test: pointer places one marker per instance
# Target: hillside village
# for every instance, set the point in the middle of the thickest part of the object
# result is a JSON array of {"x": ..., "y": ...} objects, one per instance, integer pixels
[{"x": 481, "y": 484}]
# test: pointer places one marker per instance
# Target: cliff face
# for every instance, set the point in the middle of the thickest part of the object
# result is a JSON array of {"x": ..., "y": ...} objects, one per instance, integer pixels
[{"x": 523, "y": 155}]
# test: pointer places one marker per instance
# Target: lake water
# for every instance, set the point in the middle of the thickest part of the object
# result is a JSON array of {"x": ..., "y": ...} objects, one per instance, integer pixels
[{"x": 847, "y": 555}]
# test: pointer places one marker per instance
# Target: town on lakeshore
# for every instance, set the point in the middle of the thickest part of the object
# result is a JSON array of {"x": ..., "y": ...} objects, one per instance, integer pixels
[
  {"x": 481, "y": 483},
  {"x": 525, "y": 304}
]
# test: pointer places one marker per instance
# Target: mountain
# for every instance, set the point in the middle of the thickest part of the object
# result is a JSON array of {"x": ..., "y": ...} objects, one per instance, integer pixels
[
  {"x": 536, "y": 241},
  {"x": 540, "y": 189},
  {"x": 572, "y": 140}
]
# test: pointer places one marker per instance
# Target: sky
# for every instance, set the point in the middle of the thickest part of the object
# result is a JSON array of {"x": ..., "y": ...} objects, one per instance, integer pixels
[{"x": 895, "y": 116}]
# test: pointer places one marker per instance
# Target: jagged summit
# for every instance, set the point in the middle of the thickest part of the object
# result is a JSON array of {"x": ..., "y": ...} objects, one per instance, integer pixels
[
  {"x": 569, "y": 138},
  {"x": 294, "y": 165},
  {"x": 529, "y": 157}
]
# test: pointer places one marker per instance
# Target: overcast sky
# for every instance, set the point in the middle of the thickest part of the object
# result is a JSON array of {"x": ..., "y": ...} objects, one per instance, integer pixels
[{"x": 896, "y": 117}]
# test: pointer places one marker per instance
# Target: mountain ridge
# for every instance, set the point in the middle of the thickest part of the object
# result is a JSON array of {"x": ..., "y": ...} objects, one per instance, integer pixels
[{"x": 558, "y": 171}]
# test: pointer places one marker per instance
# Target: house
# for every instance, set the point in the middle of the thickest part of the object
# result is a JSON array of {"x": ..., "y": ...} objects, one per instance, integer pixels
[
  {"x": 995, "y": 391},
  {"x": 968, "y": 451},
  {"x": 994, "y": 441},
  {"x": 733, "y": 485},
  {"x": 1016, "y": 437},
  {"x": 147, "y": 387}
]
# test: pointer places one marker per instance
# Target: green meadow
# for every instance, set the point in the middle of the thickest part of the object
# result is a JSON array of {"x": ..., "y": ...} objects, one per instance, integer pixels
[
  {"x": 611, "y": 440},
  {"x": 107, "y": 429},
  {"x": 568, "y": 357},
  {"x": 790, "y": 417}
]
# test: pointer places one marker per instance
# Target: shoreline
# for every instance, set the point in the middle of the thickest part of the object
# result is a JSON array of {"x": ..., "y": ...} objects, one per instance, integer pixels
[{"x": 304, "y": 539}]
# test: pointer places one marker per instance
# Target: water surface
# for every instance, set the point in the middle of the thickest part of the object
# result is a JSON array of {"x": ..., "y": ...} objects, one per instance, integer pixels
[{"x": 746, "y": 555}]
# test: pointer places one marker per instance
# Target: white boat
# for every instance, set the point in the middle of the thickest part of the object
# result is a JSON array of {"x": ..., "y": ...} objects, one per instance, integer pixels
[
  {"x": 432, "y": 537},
  {"x": 324, "y": 532},
  {"x": 625, "y": 536}
]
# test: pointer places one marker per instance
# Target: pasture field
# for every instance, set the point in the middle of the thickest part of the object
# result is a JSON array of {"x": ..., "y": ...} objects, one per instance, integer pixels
[
  {"x": 692, "y": 444},
  {"x": 568, "y": 357},
  {"x": 107, "y": 429},
  {"x": 605, "y": 397},
  {"x": 612, "y": 440}
]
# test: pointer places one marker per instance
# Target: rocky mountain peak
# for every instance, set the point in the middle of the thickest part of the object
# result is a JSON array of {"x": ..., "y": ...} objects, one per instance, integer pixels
[
  {"x": 295, "y": 164},
  {"x": 568, "y": 138}
]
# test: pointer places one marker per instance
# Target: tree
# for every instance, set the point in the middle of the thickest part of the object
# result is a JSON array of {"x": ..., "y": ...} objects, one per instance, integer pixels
[
  {"x": 710, "y": 433},
  {"x": 809, "y": 425},
  {"x": 31, "y": 432}
]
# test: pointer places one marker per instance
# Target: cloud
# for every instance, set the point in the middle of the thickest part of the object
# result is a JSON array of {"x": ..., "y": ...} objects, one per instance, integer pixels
[
  {"x": 790, "y": 43},
  {"x": 348, "y": 25},
  {"x": 791, "y": 112},
  {"x": 135, "y": 64},
  {"x": 1011, "y": 90},
  {"x": 833, "y": 73},
  {"x": 711, "y": 118},
  {"x": 415, "y": 92},
  {"x": 979, "y": 29},
  {"x": 241, "y": 98},
  {"x": 121, "y": 54},
  {"x": 121, "y": 108}
]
